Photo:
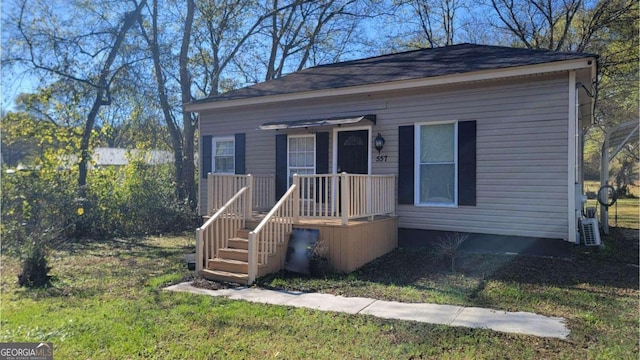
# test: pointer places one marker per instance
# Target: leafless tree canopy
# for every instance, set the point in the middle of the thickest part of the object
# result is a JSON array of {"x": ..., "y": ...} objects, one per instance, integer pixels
[{"x": 114, "y": 59}]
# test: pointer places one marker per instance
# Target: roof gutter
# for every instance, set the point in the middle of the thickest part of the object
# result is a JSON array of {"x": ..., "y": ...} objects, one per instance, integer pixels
[{"x": 398, "y": 85}]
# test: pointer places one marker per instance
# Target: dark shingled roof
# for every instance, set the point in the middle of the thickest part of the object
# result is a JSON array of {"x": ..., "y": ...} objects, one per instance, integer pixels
[{"x": 417, "y": 64}]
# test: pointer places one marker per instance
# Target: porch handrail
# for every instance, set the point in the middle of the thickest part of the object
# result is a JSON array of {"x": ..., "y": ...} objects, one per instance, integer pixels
[
  {"x": 216, "y": 231},
  {"x": 272, "y": 230}
]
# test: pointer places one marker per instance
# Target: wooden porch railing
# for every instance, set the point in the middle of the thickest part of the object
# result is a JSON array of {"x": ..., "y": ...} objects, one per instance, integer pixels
[
  {"x": 264, "y": 191},
  {"x": 221, "y": 187},
  {"x": 333, "y": 196},
  {"x": 370, "y": 195},
  {"x": 345, "y": 196},
  {"x": 321, "y": 195},
  {"x": 222, "y": 226},
  {"x": 272, "y": 230}
]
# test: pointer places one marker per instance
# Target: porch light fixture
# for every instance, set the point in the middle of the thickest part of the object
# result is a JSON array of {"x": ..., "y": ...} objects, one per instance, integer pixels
[{"x": 378, "y": 143}]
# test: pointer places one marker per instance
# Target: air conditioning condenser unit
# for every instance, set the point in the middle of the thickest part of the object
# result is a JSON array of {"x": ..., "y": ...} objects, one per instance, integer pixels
[{"x": 590, "y": 232}]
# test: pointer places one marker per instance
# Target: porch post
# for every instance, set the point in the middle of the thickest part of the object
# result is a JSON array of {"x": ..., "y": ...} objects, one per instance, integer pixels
[
  {"x": 390, "y": 191},
  {"x": 604, "y": 180},
  {"x": 296, "y": 199},
  {"x": 344, "y": 198},
  {"x": 369, "y": 198},
  {"x": 252, "y": 258},
  {"x": 210, "y": 195},
  {"x": 248, "y": 208},
  {"x": 199, "y": 254}
]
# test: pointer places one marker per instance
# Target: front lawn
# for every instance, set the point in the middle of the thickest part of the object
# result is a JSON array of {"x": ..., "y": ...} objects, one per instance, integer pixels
[
  {"x": 596, "y": 290},
  {"x": 107, "y": 303}
]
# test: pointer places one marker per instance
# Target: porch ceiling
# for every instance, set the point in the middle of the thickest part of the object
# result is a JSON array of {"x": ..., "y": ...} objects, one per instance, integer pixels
[{"x": 278, "y": 125}]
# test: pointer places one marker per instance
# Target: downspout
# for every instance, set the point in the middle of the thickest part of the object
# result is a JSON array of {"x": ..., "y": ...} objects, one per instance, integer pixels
[
  {"x": 581, "y": 199},
  {"x": 579, "y": 196},
  {"x": 572, "y": 137}
]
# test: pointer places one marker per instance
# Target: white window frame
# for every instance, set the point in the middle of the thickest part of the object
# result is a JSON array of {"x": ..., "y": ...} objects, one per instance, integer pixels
[
  {"x": 417, "y": 163},
  {"x": 289, "y": 167},
  {"x": 214, "y": 142}
]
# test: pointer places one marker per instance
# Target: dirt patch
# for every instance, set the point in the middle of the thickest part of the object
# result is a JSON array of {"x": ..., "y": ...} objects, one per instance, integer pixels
[
  {"x": 212, "y": 285},
  {"x": 613, "y": 264}
]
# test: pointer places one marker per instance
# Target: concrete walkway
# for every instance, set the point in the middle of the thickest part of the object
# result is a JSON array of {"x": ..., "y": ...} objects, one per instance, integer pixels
[{"x": 473, "y": 317}]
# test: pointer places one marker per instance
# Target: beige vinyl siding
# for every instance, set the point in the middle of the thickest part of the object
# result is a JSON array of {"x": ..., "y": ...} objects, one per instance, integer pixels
[
  {"x": 521, "y": 148},
  {"x": 260, "y": 144},
  {"x": 521, "y": 159}
]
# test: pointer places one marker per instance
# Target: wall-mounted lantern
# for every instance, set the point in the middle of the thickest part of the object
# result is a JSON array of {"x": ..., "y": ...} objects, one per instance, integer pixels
[{"x": 378, "y": 142}]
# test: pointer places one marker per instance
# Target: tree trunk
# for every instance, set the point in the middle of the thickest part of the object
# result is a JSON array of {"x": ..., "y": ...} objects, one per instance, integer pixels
[
  {"x": 102, "y": 92},
  {"x": 189, "y": 127},
  {"x": 182, "y": 147}
]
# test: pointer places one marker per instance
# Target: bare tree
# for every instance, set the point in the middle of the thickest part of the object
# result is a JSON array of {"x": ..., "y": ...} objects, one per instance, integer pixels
[
  {"x": 211, "y": 35},
  {"x": 428, "y": 23},
  {"x": 215, "y": 38},
  {"x": 538, "y": 24},
  {"x": 593, "y": 22},
  {"x": 82, "y": 50},
  {"x": 437, "y": 20},
  {"x": 181, "y": 139},
  {"x": 223, "y": 28},
  {"x": 298, "y": 31}
]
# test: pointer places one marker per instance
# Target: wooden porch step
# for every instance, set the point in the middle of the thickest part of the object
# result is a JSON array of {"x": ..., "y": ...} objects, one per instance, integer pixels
[
  {"x": 238, "y": 243},
  {"x": 218, "y": 275},
  {"x": 234, "y": 254},
  {"x": 243, "y": 233},
  {"x": 234, "y": 266},
  {"x": 251, "y": 224}
]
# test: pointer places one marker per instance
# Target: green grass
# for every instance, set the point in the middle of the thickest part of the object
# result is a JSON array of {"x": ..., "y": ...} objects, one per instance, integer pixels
[
  {"x": 107, "y": 303},
  {"x": 625, "y": 213},
  {"x": 596, "y": 290}
]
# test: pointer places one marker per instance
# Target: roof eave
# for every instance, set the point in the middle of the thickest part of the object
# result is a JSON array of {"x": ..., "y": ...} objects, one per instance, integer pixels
[{"x": 567, "y": 65}]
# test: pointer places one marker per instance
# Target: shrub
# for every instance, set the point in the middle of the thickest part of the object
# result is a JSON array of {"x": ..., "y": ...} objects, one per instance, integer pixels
[
  {"x": 36, "y": 215},
  {"x": 136, "y": 199},
  {"x": 35, "y": 269},
  {"x": 446, "y": 247},
  {"x": 41, "y": 210}
]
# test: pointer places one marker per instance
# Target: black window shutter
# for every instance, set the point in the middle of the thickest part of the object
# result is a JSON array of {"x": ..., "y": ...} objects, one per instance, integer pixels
[
  {"x": 281, "y": 165},
  {"x": 322, "y": 162},
  {"x": 406, "y": 164},
  {"x": 240, "y": 154},
  {"x": 207, "y": 155},
  {"x": 322, "y": 153},
  {"x": 467, "y": 163}
]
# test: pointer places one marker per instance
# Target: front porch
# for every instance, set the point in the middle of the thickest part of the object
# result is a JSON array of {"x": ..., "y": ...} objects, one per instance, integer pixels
[{"x": 246, "y": 231}]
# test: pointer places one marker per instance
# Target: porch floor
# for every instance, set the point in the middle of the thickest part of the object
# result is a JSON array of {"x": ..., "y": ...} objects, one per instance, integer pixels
[{"x": 258, "y": 216}]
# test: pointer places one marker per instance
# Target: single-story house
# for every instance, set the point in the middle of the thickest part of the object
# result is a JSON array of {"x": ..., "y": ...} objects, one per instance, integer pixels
[
  {"x": 108, "y": 156},
  {"x": 464, "y": 138}
]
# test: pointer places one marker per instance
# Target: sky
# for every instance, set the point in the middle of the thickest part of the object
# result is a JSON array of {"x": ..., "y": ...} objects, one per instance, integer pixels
[{"x": 21, "y": 80}]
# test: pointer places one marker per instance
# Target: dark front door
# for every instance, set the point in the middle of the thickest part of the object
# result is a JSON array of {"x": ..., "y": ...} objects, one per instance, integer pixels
[{"x": 353, "y": 151}]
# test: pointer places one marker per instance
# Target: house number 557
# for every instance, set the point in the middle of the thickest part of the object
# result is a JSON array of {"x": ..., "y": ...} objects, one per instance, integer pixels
[{"x": 381, "y": 158}]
